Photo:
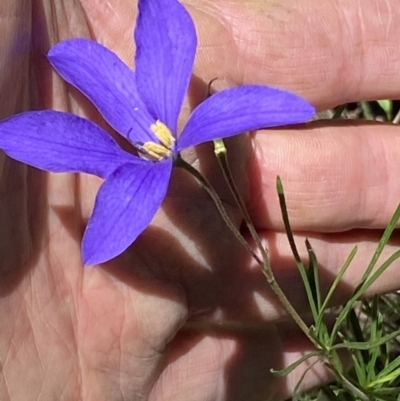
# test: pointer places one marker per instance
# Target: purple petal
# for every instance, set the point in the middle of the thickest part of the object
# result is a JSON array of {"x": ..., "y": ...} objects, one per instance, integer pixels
[
  {"x": 125, "y": 205},
  {"x": 237, "y": 110},
  {"x": 165, "y": 49},
  {"x": 109, "y": 83},
  {"x": 61, "y": 142}
]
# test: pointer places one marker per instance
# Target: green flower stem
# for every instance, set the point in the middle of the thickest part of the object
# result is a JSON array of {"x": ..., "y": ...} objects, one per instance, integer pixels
[
  {"x": 338, "y": 111},
  {"x": 221, "y": 153},
  {"x": 218, "y": 202},
  {"x": 366, "y": 108}
]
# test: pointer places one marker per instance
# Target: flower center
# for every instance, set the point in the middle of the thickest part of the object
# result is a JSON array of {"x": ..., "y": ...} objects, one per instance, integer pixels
[{"x": 158, "y": 151}]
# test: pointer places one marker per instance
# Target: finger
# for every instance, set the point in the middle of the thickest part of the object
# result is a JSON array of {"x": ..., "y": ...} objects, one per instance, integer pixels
[
  {"x": 220, "y": 362},
  {"x": 335, "y": 177},
  {"x": 331, "y": 52},
  {"x": 311, "y": 373},
  {"x": 332, "y": 251},
  {"x": 234, "y": 363},
  {"x": 349, "y": 49},
  {"x": 234, "y": 289}
]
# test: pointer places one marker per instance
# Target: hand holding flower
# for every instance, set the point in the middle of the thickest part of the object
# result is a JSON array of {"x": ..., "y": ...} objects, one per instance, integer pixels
[
  {"x": 184, "y": 313},
  {"x": 143, "y": 107}
]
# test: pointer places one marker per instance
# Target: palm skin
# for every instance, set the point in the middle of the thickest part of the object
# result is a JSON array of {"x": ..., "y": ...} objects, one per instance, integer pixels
[{"x": 184, "y": 314}]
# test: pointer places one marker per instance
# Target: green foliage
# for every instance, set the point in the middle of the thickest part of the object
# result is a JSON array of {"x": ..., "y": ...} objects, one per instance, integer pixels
[
  {"x": 366, "y": 330},
  {"x": 387, "y": 107},
  {"x": 359, "y": 327}
]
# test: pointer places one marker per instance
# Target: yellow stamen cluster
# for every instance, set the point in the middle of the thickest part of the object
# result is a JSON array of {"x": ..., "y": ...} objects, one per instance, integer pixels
[
  {"x": 163, "y": 133},
  {"x": 159, "y": 151},
  {"x": 156, "y": 151}
]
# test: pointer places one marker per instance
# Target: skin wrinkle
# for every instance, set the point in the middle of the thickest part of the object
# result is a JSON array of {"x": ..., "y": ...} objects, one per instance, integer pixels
[
  {"x": 41, "y": 389},
  {"x": 123, "y": 355},
  {"x": 362, "y": 32},
  {"x": 325, "y": 21},
  {"x": 19, "y": 357},
  {"x": 41, "y": 324},
  {"x": 68, "y": 104},
  {"x": 387, "y": 155},
  {"x": 375, "y": 154},
  {"x": 10, "y": 349},
  {"x": 352, "y": 29},
  {"x": 134, "y": 315},
  {"x": 372, "y": 156},
  {"x": 181, "y": 376},
  {"x": 331, "y": 84},
  {"x": 4, "y": 388},
  {"x": 207, "y": 38},
  {"x": 276, "y": 58},
  {"x": 385, "y": 22},
  {"x": 278, "y": 158},
  {"x": 382, "y": 57},
  {"x": 117, "y": 17},
  {"x": 70, "y": 347}
]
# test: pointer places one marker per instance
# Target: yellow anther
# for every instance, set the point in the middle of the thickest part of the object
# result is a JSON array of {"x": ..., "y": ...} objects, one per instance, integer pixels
[
  {"x": 163, "y": 133},
  {"x": 156, "y": 151}
]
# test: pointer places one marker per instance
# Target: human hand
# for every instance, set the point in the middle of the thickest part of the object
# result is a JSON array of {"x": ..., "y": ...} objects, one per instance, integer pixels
[{"x": 185, "y": 314}]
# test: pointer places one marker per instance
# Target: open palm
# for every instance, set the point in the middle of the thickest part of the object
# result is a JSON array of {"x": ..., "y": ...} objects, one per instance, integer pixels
[{"x": 184, "y": 314}]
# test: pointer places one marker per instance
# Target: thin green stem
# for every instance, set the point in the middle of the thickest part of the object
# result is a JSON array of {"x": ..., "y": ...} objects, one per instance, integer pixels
[
  {"x": 366, "y": 108},
  {"x": 338, "y": 111},
  {"x": 218, "y": 202},
  {"x": 221, "y": 153},
  {"x": 287, "y": 305}
]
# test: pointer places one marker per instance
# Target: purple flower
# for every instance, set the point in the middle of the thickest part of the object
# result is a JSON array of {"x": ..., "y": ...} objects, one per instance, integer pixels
[{"x": 142, "y": 106}]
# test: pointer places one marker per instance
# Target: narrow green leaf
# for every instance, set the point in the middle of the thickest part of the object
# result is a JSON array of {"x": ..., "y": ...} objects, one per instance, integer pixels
[
  {"x": 366, "y": 108},
  {"x": 339, "y": 111},
  {"x": 290, "y": 368},
  {"x": 382, "y": 243},
  {"x": 367, "y": 345},
  {"x": 375, "y": 336},
  {"x": 358, "y": 333},
  {"x": 365, "y": 282},
  {"x": 387, "y": 107},
  {"x": 313, "y": 276},
  {"x": 333, "y": 288},
  {"x": 388, "y": 373},
  {"x": 293, "y": 247}
]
